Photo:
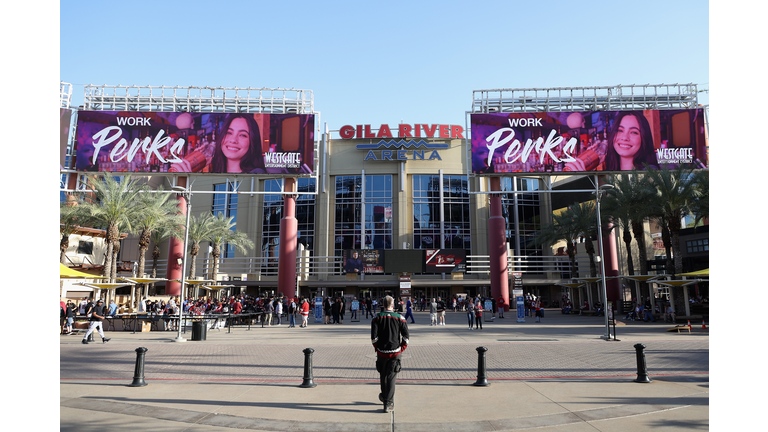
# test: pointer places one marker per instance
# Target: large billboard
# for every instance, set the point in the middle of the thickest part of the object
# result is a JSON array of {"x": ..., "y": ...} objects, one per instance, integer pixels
[
  {"x": 585, "y": 141},
  {"x": 445, "y": 261},
  {"x": 182, "y": 142},
  {"x": 364, "y": 261}
]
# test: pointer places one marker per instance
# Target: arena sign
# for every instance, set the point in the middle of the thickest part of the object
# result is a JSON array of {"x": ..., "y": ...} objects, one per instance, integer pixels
[
  {"x": 182, "y": 142},
  {"x": 402, "y": 150},
  {"x": 585, "y": 141}
]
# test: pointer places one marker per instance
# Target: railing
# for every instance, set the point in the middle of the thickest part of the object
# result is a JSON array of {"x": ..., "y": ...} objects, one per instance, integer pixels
[
  {"x": 556, "y": 267},
  {"x": 551, "y": 267}
]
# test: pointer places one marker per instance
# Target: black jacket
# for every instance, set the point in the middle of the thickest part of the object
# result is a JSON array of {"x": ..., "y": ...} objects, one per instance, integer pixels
[{"x": 389, "y": 334}]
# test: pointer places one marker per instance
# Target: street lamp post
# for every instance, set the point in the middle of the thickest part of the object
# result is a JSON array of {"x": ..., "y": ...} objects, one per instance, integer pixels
[
  {"x": 187, "y": 196},
  {"x": 600, "y": 190}
]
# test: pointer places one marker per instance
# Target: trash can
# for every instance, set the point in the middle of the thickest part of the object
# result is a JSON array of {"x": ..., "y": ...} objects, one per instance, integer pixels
[{"x": 199, "y": 330}]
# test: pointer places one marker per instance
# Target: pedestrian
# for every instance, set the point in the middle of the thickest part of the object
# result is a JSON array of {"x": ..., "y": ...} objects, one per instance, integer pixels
[
  {"x": 539, "y": 311},
  {"x": 304, "y": 312},
  {"x": 368, "y": 307},
  {"x": 342, "y": 307},
  {"x": 278, "y": 311},
  {"x": 69, "y": 315},
  {"x": 470, "y": 314},
  {"x": 291, "y": 314},
  {"x": 500, "y": 304},
  {"x": 353, "y": 308},
  {"x": 335, "y": 310},
  {"x": 269, "y": 309},
  {"x": 327, "y": 306},
  {"x": 478, "y": 316},
  {"x": 440, "y": 311},
  {"x": 96, "y": 314},
  {"x": 409, "y": 310},
  {"x": 389, "y": 336},
  {"x": 433, "y": 313}
]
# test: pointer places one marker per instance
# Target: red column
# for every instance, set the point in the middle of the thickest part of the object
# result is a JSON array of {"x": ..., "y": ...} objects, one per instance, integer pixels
[
  {"x": 176, "y": 249},
  {"x": 286, "y": 264},
  {"x": 497, "y": 246}
]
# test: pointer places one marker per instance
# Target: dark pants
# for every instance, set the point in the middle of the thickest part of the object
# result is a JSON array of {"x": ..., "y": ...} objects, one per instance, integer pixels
[{"x": 388, "y": 369}]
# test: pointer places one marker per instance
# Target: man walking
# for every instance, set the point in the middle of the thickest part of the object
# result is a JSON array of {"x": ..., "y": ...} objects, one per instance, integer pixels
[
  {"x": 409, "y": 311},
  {"x": 389, "y": 336},
  {"x": 96, "y": 314}
]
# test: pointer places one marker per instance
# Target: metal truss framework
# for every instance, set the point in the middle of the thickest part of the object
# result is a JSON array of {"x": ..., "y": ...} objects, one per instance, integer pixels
[
  {"x": 65, "y": 94},
  {"x": 202, "y": 100},
  {"x": 611, "y": 98},
  {"x": 198, "y": 99}
]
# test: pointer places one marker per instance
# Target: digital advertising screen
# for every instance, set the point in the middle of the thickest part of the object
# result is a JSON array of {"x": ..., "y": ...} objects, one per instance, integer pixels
[
  {"x": 445, "y": 261},
  {"x": 403, "y": 261},
  {"x": 364, "y": 261},
  {"x": 182, "y": 142},
  {"x": 586, "y": 141}
]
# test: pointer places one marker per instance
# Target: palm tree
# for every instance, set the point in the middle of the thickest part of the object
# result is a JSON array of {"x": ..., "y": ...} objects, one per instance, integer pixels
[
  {"x": 158, "y": 236},
  {"x": 200, "y": 230},
  {"x": 676, "y": 192},
  {"x": 627, "y": 204},
  {"x": 561, "y": 228},
  {"x": 72, "y": 216},
  {"x": 113, "y": 205},
  {"x": 700, "y": 205},
  {"x": 225, "y": 235},
  {"x": 155, "y": 211}
]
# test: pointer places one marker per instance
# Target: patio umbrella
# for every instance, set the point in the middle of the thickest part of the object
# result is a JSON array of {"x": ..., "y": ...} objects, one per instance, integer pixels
[
  {"x": 68, "y": 273},
  {"x": 138, "y": 280}
]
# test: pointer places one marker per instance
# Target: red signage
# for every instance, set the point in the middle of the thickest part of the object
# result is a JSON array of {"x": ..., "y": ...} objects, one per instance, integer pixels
[{"x": 403, "y": 131}]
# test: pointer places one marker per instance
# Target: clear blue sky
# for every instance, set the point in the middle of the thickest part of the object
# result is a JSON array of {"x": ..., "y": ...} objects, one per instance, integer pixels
[{"x": 383, "y": 62}]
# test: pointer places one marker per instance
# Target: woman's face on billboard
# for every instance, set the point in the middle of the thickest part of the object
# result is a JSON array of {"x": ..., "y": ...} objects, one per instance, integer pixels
[
  {"x": 237, "y": 140},
  {"x": 628, "y": 139}
]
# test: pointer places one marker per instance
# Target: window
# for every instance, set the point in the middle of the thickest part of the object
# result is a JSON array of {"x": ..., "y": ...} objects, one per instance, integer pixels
[
  {"x": 528, "y": 214},
  {"x": 226, "y": 204},
  {"x": 426, "y": 212},
  {"x": 697, "y": 246},
  {"x": 273, "y": 214},
  {"x": 350, "y": 218},
  {"x": 85, "y": 248}
]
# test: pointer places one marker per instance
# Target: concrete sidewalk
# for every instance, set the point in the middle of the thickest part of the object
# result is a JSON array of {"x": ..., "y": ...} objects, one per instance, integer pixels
[
  {"x": 553, "y": 376},
  {"x": 547, "y": 405}
]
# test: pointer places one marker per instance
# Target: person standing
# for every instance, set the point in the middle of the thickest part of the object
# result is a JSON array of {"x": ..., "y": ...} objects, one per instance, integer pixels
[
  {"x": 389, "y": 336},
  {"x": 69, "y": 315},
  {"x": 96, "y": 314},
  {"x": 470, "y": 313},
  {"x": 500, "y": 305},
  {"x": 478, "y": 315},
  {"x": 335, "y": 310},
  {"x": 268, "y": 311},
  {"x": 539, "y": 312},
  {"x": 353, "y": 307},
  {"x": 291, "y": 314},
  {"x": 433, "y": 313},
  {"x": 440, "y": 312},
  {"x": 304, "y": 312},
  {"x": 278, "y": 311}
]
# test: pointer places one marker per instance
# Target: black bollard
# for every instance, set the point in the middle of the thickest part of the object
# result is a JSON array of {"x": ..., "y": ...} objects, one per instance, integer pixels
[
  {"x": 642, "y": 370},
  {"x": 482, "y": 379},
  {"x": 308, "y": 381},
  {"x": 138, "y": 373}
]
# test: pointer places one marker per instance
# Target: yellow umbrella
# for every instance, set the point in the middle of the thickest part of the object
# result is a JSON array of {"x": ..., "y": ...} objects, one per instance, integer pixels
[
  {"x": 66, "y": 272},
  {"x": 701, "y": 273}
]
